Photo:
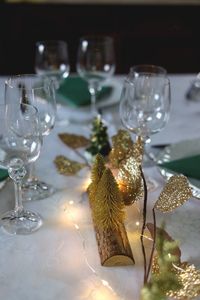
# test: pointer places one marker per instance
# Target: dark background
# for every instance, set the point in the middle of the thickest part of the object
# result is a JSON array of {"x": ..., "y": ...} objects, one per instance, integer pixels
[{"x": 162, "y": 35}]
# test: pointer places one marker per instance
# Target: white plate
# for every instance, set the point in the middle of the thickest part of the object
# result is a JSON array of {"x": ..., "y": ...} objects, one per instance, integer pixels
[{"x": 178, "y": 151}]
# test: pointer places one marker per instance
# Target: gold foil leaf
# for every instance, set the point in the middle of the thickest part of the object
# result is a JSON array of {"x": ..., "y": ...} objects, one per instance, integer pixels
[
  {"x": 175, "y": 193},
  {"x": 138, "y": 150},
  {"x": 74, "y": 141},
  {"x": 121, "y": 145},
  {"x": 66, "y": 166},
  {"x": 189, "y": 278},
  {"x": 130, "y": 181}
]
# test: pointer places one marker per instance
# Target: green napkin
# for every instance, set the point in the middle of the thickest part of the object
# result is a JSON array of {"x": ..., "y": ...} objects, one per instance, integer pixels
[
  {"x": 74, "y": 90},
  {"x": 188, "y": 166},
  {"x": 3, "y": 174}
]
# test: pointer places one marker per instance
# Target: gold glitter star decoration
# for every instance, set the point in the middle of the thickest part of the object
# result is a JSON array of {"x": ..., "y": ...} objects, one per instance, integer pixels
[
  {"x": 175, "y": 193},
  {"x": 68, "y": 167}
]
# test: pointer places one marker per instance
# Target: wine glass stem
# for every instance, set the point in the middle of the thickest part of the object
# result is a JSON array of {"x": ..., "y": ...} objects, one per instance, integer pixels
[
  {"x": 31, "y": 175},
  {"x": 18, "y": 198},
  {"x": 17, "y": 172},
  {"x": 93, "y": 104},
  {"x": 93, "y": 88}
]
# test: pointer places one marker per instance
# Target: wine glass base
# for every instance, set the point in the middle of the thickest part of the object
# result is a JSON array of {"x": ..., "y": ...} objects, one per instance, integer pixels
[
  {"x": 25, "y": 222},
  {"x": 37, "y": 190}
]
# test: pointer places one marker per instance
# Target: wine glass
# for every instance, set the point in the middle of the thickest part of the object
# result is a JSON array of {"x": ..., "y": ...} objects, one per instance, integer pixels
[
  {"x": 52, "y": 60},
  {"x": 145, "y": 102},
  {"x": 20, "y": 143},
  {"x": 40, "y": 93},
  {"x": 95, "y": 63}
]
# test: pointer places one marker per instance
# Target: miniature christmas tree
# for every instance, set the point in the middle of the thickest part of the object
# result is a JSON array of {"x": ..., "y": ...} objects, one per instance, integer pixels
[
  {"x": 96, "y": 174},
  {"x": 108, "y": 216},
  {"x": 99, "y": 142},
  {"x": 108, "y": 209}
]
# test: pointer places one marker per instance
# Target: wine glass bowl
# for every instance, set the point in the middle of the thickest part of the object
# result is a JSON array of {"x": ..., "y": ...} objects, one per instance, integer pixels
[
  {"x": 95, "y": 63},
  {"x": 52, "y": 60},
  {"x": 145, "y": 104},
  {"x": 31, "y": 89},
  {"x": 20, "y": 144}
]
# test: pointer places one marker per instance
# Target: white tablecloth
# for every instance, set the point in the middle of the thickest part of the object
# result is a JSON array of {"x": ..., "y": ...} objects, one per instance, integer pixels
[{"x": 60, "y": 261}]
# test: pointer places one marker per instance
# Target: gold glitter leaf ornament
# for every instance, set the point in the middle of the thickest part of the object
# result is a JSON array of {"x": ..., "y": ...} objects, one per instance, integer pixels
[
  {"x": 74, "y": 141},
  {"x": 130, "y": 181},
  {"x": 189, "y": 277},
  {"x": 121, "y": 145},
  {"x": 175, "y": 193},
  {"x": 138, "y": 150},
  {"x": 186, "y": 274},
  {"x": 67, "y": 167}
]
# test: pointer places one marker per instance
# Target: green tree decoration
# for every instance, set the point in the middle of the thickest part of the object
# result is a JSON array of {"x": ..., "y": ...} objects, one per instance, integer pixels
[
  {"x": 108, "y": 211},
  {"x": 163, "y": 278},
  {"x": 99, "y": 142},
  {"x": 96, "y": 174}
]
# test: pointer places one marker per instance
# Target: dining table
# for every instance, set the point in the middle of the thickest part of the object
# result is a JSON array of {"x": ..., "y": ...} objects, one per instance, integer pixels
[{"x": 61, "y": 261}]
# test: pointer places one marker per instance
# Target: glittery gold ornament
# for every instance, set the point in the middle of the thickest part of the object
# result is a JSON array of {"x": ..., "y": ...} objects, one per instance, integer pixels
[
  {"x": 130, "y": 181},
  {"x": 186, "y": 274},
  {"x": 138, "y": 150},
  {"x": 175, "y": 193},
  {"x": 74, "y": 141},
  {"x": 126, "y": 156},
  {"x": 189, "y": 277},
  {"x": 66, "y": 166},
  {"x": 121, "y": 145}
]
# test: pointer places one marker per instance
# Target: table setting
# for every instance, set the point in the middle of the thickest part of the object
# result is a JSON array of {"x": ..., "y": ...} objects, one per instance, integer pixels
[{"x": 121, "y": 220}]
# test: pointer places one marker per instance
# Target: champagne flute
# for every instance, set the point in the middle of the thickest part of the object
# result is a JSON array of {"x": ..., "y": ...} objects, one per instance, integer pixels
[
  {"x": 20, "y": 143},
  {"x": 52, "y": 60},
  {"x": 30, "y": 89},
  {"x": 145, "y": 103},
  {"x": 95, "y": 63}
]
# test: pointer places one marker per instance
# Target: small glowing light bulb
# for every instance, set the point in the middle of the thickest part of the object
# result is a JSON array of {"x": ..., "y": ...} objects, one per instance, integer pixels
[
  {"x": 76, "y": 226},
  {"x": 104, "y": 282}
]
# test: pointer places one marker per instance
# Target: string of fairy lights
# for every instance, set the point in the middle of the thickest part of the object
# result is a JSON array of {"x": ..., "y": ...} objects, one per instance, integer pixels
[
  {"x": 69, "y": 208},
  {"x": 77, "y": 228}
]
